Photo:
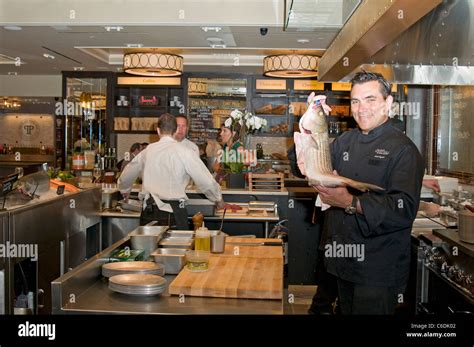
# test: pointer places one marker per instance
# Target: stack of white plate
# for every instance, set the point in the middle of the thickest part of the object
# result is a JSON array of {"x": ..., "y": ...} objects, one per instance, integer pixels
[
  {"x": 137, "y": 284},
  {"x": 133, "y": 267}
]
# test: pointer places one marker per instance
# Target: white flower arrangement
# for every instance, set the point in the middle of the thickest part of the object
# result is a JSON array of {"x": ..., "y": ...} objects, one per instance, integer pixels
[{"x": 252, "y": 123}]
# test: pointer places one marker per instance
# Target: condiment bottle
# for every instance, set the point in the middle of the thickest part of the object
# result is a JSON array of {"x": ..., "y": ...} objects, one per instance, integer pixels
[{"x": 203, "y": 240}]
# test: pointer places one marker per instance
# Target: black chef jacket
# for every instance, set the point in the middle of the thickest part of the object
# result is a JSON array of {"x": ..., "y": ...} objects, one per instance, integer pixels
[{"x": 388, "y": 158}]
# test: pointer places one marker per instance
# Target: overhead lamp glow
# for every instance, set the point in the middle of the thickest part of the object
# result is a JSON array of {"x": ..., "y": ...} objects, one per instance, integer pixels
[
  {"x": 291, "y": 65},
  {"x": 13, "y": 27},
  {"x": 48, "y": 56},
  {"x": 153, "y": 64},
  {"x": 134, "y": 45},
  {"x": 215, "y": 29},
  {"x": 113, "y": 28}
]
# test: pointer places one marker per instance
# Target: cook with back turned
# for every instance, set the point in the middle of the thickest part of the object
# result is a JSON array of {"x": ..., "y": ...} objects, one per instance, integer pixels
[{"x": 167, "y": 166}]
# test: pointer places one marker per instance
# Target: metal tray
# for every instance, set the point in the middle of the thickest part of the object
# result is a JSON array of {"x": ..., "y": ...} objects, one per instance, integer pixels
[
  {"x": 172, "y": 258},
  {"x": 180, "y": 233},
  {"x": 177, "y": 242},
  {"x": 132, "y": 267}
]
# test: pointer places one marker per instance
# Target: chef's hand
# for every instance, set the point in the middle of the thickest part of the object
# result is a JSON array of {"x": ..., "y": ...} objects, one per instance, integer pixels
[
  {"x": 432, "y": 184},
  {"x": 431, "y": 210},
  {"x": 220, "y": 204},
  {"x": 337, "y": 197}
]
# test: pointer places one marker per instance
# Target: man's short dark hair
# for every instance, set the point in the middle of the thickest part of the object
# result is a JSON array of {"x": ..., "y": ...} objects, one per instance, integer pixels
[
  {"x": 363, "y": 77},
  {"x": 134, "y": 147},
  {"x": 182, "y": 116},
  {"x": 167, "y": 124}
]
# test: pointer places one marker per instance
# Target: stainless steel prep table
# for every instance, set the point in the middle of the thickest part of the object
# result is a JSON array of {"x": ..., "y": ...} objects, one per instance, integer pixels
[{"x": 84, "y": 290}]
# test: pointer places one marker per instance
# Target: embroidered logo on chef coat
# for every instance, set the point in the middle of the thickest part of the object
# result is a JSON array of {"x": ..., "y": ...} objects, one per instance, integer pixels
[{"x": 381, "y": 153}]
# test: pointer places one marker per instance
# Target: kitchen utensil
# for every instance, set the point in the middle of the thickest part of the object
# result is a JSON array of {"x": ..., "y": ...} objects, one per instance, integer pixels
[
  {"x": 173, "y": 259},
  {"x": 177, "y": 242},
  {"x": 147, "y": 238},
  {"x": 133, "y": 267},
  {"x": 137, "y": 284},
  {"x": 222, "y": 221},
  {"x": 466, "y": 226},
  {"x": 218, "y": 239},
  {"x": 197, "y": 261}
]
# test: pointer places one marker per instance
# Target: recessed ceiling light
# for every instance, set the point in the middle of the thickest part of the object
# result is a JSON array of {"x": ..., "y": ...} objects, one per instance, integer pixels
[
  {"x": 78, "y": 68},
  {"x": 12, "y": 27},
  {"x": 218, "y": 45},
  {"x": 113, "y": 28},
  {"x": 206, "y": 29},
  {"x": 61, "y": 28},
  {"x": 134, "y": 45},
  {"x": 214, "y": 39},
  {"x": 48, "y": 56},
  {"x": 303, "y": 40}
]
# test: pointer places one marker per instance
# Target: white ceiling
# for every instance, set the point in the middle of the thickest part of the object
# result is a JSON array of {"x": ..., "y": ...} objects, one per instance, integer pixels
[{"x": 91, "y": 47}]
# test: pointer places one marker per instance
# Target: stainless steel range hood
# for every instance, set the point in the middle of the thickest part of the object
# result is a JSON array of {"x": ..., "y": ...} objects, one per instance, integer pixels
[{"x": 437, "y": 49}]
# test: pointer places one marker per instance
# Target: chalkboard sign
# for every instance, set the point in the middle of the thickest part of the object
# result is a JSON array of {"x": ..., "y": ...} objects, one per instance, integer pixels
[
  {"x": 201, "y": 127},
  {"x": 456, "y": 129},
  {"x": 207, "y": 114}
]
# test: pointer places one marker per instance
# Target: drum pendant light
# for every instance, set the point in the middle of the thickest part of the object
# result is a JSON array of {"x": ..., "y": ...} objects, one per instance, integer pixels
[
  {"x": 153, "y": 64},
  {"x": 291, "y": 65}
]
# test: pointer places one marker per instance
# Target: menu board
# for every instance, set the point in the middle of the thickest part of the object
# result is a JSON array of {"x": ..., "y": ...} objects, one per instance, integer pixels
[
  {"x": 455, "y": 129},
  {"x": 201, "y": 127},
  {"x": 206, "y": 116}
]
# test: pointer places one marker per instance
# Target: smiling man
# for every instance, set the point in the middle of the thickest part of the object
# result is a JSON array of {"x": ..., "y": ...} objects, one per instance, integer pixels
[{"x": 378, "y": 223}]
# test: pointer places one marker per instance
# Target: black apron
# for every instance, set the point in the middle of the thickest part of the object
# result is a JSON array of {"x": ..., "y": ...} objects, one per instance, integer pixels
[{"x": 177, "y": 220}]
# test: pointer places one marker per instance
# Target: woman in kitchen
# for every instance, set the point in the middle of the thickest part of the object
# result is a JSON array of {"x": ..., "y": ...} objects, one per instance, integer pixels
[{"x": 229, "y": 157}]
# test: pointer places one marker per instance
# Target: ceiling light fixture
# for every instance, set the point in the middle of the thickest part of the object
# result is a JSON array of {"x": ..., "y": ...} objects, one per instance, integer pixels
[
  {"x": 13, "y": 27},
  {"x": 218, "y": 45},
  {"x": 114, "y": 28},
  {"x": 153, "y": 64},
  {"x": 10, "y": 104},
  {"x": 12, "y": 73},
  {"x": 206, "y": 29},
  {"x": 48, "y": 56},
  {"x": 291, "y": 65},
  {"x": 303, "y": 41},
  {"x": 134, "y": 45},
  {"x": 78, "y": 68}
]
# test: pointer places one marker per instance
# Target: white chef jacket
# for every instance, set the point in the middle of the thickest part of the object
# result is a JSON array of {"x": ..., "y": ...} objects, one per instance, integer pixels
[
  {"x": 167, "y": 166},
  {"x": 191, "y": 145}
]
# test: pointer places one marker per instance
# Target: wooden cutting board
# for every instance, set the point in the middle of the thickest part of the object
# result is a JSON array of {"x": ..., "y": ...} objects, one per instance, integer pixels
[
  {"x": 270, "y": 252},
  {"x": 231, "y": 239},
  {"x": 233, "y": 277},
  {"x": 243, "y": 212}
]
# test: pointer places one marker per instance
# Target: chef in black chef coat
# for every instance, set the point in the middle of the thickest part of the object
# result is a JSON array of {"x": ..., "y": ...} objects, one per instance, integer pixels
[{"x": 368, "y": 241}]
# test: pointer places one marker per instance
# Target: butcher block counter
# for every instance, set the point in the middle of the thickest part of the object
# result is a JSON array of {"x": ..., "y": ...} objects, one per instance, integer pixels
[
  {"x": 235, "y": 283},
  {"x": 245, "y": 270}
]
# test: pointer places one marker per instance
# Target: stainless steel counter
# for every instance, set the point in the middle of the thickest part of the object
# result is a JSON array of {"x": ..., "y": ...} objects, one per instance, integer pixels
[
  {"x": 452, "y": 236},
  {"x": 90, "y": 294}
]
